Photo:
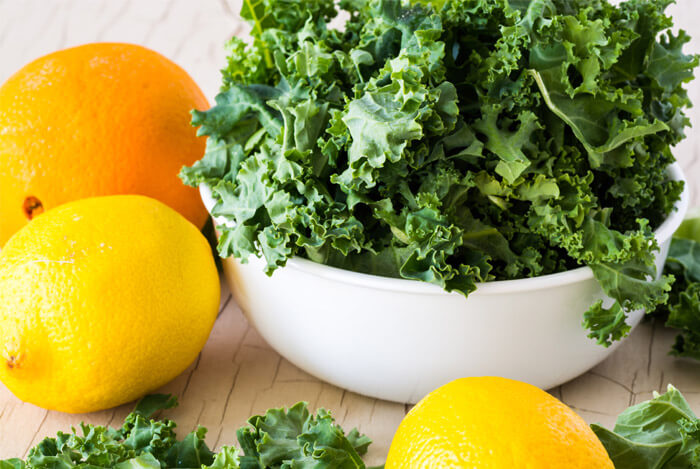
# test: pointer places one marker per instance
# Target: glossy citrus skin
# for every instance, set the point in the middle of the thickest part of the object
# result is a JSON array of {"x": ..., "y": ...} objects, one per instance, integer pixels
[
  {"x": 97, "y": 119},
  {"x": 103, "y": 300},
  {"x": 493, "y": 423}
]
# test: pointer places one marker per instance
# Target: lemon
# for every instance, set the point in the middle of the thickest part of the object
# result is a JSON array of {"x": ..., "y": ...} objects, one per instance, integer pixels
[
  {"x": 494, "y": 423},
  {"x": 103, "y": 300}
]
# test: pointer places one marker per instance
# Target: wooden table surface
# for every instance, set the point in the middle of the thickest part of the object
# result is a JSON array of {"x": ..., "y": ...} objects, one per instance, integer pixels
[{"x": 238, "y": 374}]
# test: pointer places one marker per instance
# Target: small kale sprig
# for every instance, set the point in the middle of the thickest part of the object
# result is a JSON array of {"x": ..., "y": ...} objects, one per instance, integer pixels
[{"x": 282, "y": 438}]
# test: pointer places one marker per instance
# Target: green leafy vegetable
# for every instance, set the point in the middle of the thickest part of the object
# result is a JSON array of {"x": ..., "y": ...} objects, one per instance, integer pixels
[
  {"x": 282, "y": 438},
  {"x": 295, "y": 438},
  {"x": 453, "y": 142},
  {"x": 683, "y": 309},
  {"x": 662, "y": 433}
]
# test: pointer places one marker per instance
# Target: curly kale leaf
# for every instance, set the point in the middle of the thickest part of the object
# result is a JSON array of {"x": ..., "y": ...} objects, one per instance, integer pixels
[
  {"x": 295, "y": 438},
  {"x": 141, "y": 442}
]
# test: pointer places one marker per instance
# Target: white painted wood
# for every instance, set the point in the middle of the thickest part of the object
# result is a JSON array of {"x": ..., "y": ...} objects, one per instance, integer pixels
[{"x": 237, "y": 374}]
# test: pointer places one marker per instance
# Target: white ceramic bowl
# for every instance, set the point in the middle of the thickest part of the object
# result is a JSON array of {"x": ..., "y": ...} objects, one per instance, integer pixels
[{"x": 399, "y": 339}]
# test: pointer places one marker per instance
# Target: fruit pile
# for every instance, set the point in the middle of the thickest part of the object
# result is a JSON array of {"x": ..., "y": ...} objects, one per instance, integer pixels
[{"x": 104, "y": 296}]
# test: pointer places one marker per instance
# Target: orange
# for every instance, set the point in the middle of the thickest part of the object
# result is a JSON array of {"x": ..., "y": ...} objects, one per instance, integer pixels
[
  {"x": 494, "y": 423},
  {"x": 98, "y": 119}
]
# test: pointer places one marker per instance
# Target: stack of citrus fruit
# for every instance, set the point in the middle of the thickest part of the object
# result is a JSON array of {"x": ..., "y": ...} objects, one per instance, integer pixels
[{"x": 102, "y": 299}]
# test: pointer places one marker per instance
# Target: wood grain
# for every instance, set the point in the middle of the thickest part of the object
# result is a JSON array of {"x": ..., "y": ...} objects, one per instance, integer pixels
[{"x": 237, "y": 374}]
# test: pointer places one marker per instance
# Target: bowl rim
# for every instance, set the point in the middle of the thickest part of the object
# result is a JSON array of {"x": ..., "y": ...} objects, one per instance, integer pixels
[{"x": 663, "y": 233}]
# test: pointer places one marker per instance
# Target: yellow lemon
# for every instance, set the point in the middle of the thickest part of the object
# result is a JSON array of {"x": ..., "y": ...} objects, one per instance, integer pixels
[
  {"x": 494, "y": 423},
  {"x": 103, "y": 300}
]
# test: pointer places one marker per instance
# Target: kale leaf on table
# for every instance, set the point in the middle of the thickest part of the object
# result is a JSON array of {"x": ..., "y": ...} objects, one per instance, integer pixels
[
  {"x": 282, "y": 438},
  {"x": 453, "y": 142},
  {"x": 682, "y": 311},
  {"x": 662, "y": 433}
]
